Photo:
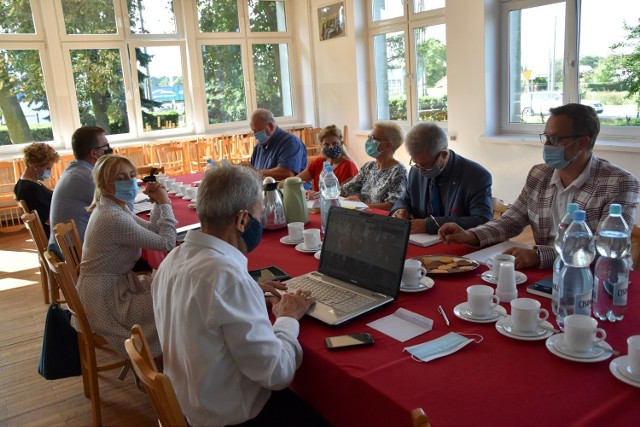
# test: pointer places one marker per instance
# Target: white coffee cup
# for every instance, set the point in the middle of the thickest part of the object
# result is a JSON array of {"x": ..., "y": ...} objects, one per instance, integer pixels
[
  {"x": 182, "y": 189},
  {"x": 581, "y": 332},
  {"x": 192, "y": 193},
  {"x": 311, "y": 238},
  {"x": 295, "y": 231},
  {"x": 412, "y": 273},
  {"x": 480, "y": 300},
  {"x": 633, "y": 356},
  {"x": 526, "y": 315},
  {"x": 175, "y": 186},
  {"x": 494, "y": 263}
]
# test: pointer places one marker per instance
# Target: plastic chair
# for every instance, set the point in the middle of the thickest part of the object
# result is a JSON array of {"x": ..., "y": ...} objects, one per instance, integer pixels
[
  {"x": 68, "y": 239},
  {"x": 158, "y": 386},
  {"x": 50, "y": 291},
  {"x": 88, "y": 341},
  {"x": 419, "y": 418}
]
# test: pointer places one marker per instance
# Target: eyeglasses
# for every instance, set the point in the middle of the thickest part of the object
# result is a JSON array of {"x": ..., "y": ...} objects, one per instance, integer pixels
[
  {"x": 423, "y": 169},
  {"x": 375, "y": 138},
  {"x": 102, "y": 147},
  {"x": 555, "y": 139}
]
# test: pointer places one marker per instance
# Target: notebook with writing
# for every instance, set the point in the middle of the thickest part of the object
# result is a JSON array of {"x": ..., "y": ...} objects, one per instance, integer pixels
[{"x": 360, "y": 267}]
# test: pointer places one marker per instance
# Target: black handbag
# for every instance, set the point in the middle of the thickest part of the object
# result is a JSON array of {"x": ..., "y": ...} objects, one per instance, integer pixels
[{"x": 60, "y": 357}]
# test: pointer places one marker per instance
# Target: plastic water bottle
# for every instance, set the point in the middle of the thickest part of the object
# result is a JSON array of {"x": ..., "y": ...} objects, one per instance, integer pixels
[
  {"x": 558, "y": 264},
  {"x": 329, "y": 195},
  {"x": 611, "y": 279},
  {"x": 576, "y": 281}
]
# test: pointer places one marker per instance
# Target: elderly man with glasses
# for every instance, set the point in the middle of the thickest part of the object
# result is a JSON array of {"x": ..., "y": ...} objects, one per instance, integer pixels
[
  {"x": 571, "y": 173},
  {"x": 443, "y": 186}
]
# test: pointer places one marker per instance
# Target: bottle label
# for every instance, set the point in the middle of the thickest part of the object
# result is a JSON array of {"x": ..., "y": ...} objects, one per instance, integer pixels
[
  {"x": 583, "y": 303},
  {"x": 620, "y": 293}
]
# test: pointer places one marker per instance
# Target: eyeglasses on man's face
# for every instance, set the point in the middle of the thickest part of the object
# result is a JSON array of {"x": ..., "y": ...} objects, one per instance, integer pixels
[
  {"x": 420, "y": 168},
  {"x": 102, "y": 147},
  {"x": 555, "y": 139}
]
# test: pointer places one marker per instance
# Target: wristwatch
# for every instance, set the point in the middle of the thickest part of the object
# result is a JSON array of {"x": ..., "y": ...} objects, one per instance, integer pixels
[{"x": 536, "y": 249}]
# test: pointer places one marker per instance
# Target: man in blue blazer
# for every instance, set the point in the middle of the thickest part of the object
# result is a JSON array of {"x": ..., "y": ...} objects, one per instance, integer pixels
[{"x": 443, "y": 186}]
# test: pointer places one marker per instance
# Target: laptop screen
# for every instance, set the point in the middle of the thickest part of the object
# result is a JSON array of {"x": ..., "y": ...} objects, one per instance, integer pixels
[{"x": 365, "y": 249}]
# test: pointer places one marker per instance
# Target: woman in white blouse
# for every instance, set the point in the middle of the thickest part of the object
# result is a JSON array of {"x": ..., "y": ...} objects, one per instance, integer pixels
[{"x": 114, "y": 297}]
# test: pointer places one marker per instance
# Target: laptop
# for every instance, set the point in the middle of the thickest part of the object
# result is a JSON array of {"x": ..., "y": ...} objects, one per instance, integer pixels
[
  {"x": 360, "y": 267},
  {"x": 181, "y": 232}
]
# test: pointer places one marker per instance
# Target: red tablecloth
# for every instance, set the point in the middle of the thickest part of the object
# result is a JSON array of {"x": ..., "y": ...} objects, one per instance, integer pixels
[{"x": 500, "y": 381}]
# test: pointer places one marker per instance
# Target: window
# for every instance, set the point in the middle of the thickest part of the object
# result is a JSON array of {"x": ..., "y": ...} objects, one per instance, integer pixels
[
  {"x": 557, "y": 52},
  {"x": 409, "y": 51}
]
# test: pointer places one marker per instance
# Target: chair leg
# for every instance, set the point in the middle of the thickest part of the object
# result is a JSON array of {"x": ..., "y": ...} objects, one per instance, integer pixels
[
  {"x": 123, "y": 372},
  {"x": 44, "y": 280},
  {"x": 84, "y": 365},
  {"x": 95, "y": 392}
]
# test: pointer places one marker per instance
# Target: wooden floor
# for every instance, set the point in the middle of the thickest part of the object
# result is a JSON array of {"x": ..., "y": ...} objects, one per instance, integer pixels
[{"x": 27, "y": 399}]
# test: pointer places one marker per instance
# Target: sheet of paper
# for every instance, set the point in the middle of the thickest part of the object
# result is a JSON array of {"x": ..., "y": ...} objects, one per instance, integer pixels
[
  {"x": 402, "y": 325},
  {"x": 349, "y": 204},
  {"x": 141, "y": 197},
  {"x": 489, "y": 252},
  {"x": 424, "y": 239}
]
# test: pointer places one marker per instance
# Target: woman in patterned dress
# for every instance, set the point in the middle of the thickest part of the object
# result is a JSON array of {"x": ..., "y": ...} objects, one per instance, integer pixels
[
  {"x": 380, "y": 182},
  {"x": 114, "y": 297}
]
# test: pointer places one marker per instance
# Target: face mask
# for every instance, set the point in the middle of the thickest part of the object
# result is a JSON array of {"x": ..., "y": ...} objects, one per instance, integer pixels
[
  {"x": 554, "y": 156},
  {"x": 127, "y": 190},
  {"x": 431, "y": 173},
  {"x": 332, "y": 152},
  {"x": 439, "y": 347},
  {"x": 252, "y": 235},
  {"x": 371, "y": 147},
  {"x": 261, "y": 137},
  {"x": 45, "y": 175}
]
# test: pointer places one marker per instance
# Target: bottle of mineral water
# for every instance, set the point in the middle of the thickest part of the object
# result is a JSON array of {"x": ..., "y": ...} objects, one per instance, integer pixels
[
  {"x": 558, "y": 264},
  {"x": 611, "y": 279},
  {"x": 329, "y": 194},
  {"x": 576, "y": 281}
]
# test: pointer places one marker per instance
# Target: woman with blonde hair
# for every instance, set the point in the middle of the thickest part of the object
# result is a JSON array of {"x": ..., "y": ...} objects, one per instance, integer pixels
[
  {"x": 333, "y": 151},
  {"x": 114, "y": 297},
  {"x": 39, "y": 158}
]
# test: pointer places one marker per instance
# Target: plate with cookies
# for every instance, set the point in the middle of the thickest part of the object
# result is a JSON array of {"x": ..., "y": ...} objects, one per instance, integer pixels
[{"x": 447, "y": 264}]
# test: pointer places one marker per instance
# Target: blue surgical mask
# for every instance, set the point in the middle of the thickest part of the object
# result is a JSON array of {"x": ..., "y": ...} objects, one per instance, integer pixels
[
  {"x": 332, "y": 152},
  {"x": 371, "y": 147},
  {"x": 253, "y": 234},
  {"x": 127, "y": 190},
  {"x": 45, "y": 175},
  {"x": 439, "y": 347},
  {"x": 261, "y": 137},
  {"x": 553, "y": 156}
]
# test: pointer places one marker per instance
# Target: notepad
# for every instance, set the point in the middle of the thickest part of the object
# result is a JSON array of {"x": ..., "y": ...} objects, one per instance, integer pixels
[
  {"x": 402, "y": 325},
  {"x": 489, "y": 252},
  {"x": 423, "y": 239}
]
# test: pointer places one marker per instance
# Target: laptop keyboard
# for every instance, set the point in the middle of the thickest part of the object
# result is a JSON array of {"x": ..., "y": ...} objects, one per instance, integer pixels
[{"x": 333, "y": 296}]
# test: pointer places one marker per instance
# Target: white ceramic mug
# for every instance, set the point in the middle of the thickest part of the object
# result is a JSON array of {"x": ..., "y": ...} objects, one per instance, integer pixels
[
  {"x": 581, "y": 332},
  {"x": 311, "y": 238},
  {"x": 192, "y": 193},
  {"x": 633, "y": 356},
  {"x": 182, "y": 189},
  {"x": 494, "y": 263},
  {"x": 412, "y": 273},
  {"x": 526, "y": 315},
  {"x": 175, "y": 186},
  {"x": 480, "y": 300},
  {"x": 295, "y": 231}
]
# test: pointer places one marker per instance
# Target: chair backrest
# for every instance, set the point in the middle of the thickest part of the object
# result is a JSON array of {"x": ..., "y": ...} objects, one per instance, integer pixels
[
  {"x": 32, "y": 221},
  {"x": 158, "y": 386},
  {"x": 171, "y": 156},
  {"x": 635, "y": 247},
  {"x": 24, "y": 206},
  {"x": 229, "y": 149},
  {"x": 499, "y": 206},
  {"x": 10, "y": 211},
  {"x": 68, "y": 240},
  {"x": 137, "y": 154},
  {"x": 419, "y": 418}
]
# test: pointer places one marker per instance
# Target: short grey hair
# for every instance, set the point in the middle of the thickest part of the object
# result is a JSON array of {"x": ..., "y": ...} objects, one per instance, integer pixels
[
  {"x": 392, "y": 133},
  {"x": 427, "y": 137},
  {"x": 263, "y": 115},
  {"x": 226, "y": 191}
]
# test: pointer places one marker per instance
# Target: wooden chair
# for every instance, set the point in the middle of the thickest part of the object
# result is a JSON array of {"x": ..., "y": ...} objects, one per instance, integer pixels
[
  {"x": 68, "y": 239},
  {"x": 635, "y": 247},
  {"x": 158, "y": 386},
  {"x": 419, "y": 418},
  {"x": 88, "y": 341},
  {"x": 139, "y": 155},
  {"x": 23, "y": 205},
  {"x": 9, "y": 209},
  {"x": 244, "y": 147},
  {"x": 172, "y": 157},
  {"x": 310, "y": 139},
  {"x": 228, "y": 149},
  {"x": 50, "y": 291},
  {"x": 499, "y": 206}
]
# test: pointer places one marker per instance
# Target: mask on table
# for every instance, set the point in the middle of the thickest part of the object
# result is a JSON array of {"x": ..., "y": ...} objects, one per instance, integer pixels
[
  {"x": 332, "y": 152},
  {"x": 261, "y": 137},
  {"x": 371, "y": 147},
  {"x": 252, "y": 235},
  {"x": 439, "y": 347},
  {"x": 45, "y": 175},
  {"x": 127, "y": 190},
  {"x": 554, "y": 156}
]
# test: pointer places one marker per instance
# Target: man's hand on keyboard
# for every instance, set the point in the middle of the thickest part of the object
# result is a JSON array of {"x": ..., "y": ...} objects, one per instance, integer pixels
[
  {"x": 270, "y": 287},
  {"x": 293, "y": 305}
]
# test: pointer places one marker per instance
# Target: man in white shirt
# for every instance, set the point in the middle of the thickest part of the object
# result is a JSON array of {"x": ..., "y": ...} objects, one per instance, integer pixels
[{"x": 220, "y": 349}]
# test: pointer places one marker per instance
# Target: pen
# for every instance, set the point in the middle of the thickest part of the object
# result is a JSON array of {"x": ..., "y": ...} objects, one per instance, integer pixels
[
  {"x": 444, "y": 315},
  {"x": 436, "y": 223}
]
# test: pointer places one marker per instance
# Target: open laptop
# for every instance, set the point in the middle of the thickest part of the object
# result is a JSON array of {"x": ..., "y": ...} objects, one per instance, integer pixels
[{"x": 360, "y": 268}]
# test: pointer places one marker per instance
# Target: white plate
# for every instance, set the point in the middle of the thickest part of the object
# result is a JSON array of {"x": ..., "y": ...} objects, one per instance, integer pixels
[
  {"x": 618, "y": 368},
  {"x": 488, "y": 277},
  {"x": 300, "y": 248},
  {"x": 557, "y": 340},
  {"x": 425, "y": 283},
  {"x": 317, "y": 255},
  {"x": 504, "y": 327},
  {"x": 287, "y": 241},
  {"x": 462, "y": 311}
]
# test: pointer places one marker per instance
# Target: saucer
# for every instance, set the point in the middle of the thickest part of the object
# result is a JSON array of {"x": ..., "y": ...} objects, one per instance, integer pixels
[
  {"x": 192, "y": 205},
  {"x": 556, "y": 342},
  {"x": 186, "y": 198},
  {"x": 317, "y": 255},
  {"x": 462, "y": 311},
  {"x": 287, "y": 241},
  {"x": 300, "y": 248},
  {"x": 425, "y": 283},
  {"x": 618, "y": 368},
  {"x": 488, "y": 277},
  {"x": 505, "y": 328}
]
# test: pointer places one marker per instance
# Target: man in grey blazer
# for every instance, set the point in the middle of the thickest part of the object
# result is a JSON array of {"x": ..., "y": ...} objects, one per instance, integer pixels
[{"x": 443, "y": 186}]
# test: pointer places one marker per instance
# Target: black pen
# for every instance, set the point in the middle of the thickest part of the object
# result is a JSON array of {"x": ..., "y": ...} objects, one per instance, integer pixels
[{"x": 444, "y": 315}]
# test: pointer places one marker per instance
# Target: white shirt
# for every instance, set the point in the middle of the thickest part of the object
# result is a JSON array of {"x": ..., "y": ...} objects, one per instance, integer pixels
[{"x": 220, "y": 350}]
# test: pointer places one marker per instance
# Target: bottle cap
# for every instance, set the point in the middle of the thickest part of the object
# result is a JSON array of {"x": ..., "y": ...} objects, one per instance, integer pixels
[
  {"x": 578, "y": 215},
  {"x": 572, "y": 207},
  {"x": 615, "y": 209}
]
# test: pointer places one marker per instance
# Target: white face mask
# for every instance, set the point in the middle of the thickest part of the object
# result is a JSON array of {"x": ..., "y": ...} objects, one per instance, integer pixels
[{"x": 440, "y": 347}]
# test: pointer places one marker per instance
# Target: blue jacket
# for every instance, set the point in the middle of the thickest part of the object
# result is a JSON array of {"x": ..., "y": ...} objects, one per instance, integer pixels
[
  {"x": 283, "y": 149},
  {"x": 465, "y": 192}
]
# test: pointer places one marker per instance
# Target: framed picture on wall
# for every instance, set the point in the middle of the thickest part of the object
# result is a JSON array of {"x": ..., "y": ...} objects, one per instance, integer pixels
[{"x": 331, "y": 21}]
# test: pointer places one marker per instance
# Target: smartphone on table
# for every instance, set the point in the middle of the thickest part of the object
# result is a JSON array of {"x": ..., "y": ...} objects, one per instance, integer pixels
[
  {"x": 543, "y": 287},
  {"x": 348, "y": 341}
]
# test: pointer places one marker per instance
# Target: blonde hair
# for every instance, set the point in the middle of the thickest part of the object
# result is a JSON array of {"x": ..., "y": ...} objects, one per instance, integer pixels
[
  {"x": 39, "y": 154},
  {"x": 392, "y": 133},
  {"x": 106, "y": 169},
  {"x": 333, "y": 130}
]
